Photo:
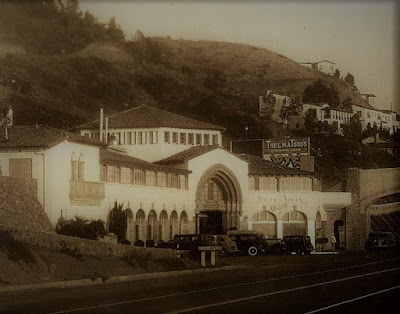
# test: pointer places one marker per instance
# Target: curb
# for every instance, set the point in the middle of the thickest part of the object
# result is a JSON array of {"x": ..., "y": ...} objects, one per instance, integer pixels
[{"x": 114, "y": 279}]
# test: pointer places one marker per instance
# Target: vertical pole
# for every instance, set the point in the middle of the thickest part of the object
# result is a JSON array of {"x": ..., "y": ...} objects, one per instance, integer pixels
[
  {"x": 101, "y": 124},
  {"x": 106, "y": 132},
  {"x": 203, "y": 258}
]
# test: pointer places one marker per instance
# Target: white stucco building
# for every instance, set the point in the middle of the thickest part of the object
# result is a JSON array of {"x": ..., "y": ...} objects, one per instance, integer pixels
[{"x": 185, "y": 185}]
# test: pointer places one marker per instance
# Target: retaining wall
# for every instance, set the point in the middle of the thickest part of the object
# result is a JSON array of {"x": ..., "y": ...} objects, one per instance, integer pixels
[{"x": 55, "y": 242}]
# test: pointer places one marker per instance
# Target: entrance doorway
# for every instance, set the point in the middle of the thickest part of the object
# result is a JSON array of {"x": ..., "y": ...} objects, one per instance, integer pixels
[
  {"x": 218, "y": 201},
  {"x": 212, "y": 222},
  {"x": 340, "y": 232}
]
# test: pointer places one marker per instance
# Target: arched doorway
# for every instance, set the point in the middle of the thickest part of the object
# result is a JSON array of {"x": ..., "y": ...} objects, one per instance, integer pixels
[
  {"x": 218, "y": 201},
  {"x": 152, "y": 226},
  {"x": 140, "y": 228},
  {"x": 174, "y": 224},
  {"x": 294, "y": 223},
  {"x": 265, "y": 222},
  {"x": 184, "y": 222},
  {"x": 130, "y": 226},
  {"x": 163, "y": 226}
]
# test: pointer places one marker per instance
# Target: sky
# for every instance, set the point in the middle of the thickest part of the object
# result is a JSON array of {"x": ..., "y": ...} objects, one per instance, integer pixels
[{"x": 358, "y": 36}]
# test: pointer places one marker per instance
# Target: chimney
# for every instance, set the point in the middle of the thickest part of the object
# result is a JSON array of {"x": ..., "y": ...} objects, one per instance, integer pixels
[
  {"x": 106, "y": 135},
  {"x": 101, "y": 123}
]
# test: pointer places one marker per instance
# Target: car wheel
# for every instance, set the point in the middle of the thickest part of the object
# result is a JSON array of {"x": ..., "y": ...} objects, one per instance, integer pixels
[
  {"x": 253, "y": 251},
  {"x": 299, "y": 252}
]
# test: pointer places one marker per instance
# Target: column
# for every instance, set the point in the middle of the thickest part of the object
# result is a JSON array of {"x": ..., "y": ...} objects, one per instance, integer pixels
[
  {"x": 311, "y": 230},
  {"x": 279, "y": 229}
]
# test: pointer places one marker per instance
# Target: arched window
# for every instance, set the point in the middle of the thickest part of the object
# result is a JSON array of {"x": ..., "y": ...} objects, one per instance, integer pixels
[
  {"x": 174, "y": 224},
  {"x": 140, "y": 228},
  {"x": 81, "y": 168},
  {"x": 265, "y": 222},
  {"x": 152, "y": 226},
  {"x": 74, "y": 167},
  {"x": 294, "y": 223},
  {"x": 163, "y": 227}
]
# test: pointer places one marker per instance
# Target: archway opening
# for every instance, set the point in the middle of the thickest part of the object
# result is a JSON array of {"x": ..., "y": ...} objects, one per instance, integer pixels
[
  {"x": 294, "y": 223},
  {"x": 265, "y": 222},
  {"x": 339, "y": 232},
  {"x": 219, "y": 201}
]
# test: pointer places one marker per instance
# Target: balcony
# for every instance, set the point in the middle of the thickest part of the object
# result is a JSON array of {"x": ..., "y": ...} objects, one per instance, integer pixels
[{"x": 86, "y": 193}]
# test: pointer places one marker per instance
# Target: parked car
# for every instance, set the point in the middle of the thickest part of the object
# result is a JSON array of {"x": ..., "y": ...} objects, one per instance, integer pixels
[
  {"x": 229, "y": 247},
  {"x": 251, "y": 243},
  {"x": 381, "y": 239},
  {"x": 276, "y": 246},
  {"x": 191, "y": 242},
  {"x": 299, "y": 244}
]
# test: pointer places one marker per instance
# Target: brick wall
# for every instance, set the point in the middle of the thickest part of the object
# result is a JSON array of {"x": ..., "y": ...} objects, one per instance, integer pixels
[
  {"x": 54, "y": 241},
  {"x": 19, "y": 206}
]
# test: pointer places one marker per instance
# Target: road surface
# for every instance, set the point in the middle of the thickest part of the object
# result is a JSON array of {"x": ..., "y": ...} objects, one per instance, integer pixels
[{"x": 346, "y": 283}]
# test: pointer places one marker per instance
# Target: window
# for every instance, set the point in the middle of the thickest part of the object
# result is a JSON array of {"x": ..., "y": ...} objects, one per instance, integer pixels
[
  {"x": 167, "y": 137},
  {"x": 140, "y": 138},
  {"x": 198, "y": 139},
  {"x": 126, "y": 175},
  {"x": 81, "y": 168},
  {"x": 153, "y": 137},
  {"x": 191, "y": 139},
  {"x": 206, "y": 139},
  {"x": 86, "y": 134},
  {"x": 139, "y": 177},
  {"x": 183, "y": 181},
  {"x": 215, "y": 139},
  {"x": 173, "y": 180},
  {"x": 103, "y": 172},
  {"x": 129, "y": 138},
  {"x": 113, "y": 174},
  {"x": 20, "y": 167},
  {"x": 151, "y": 178},
  {"x": 161, "y": 179},
  {"x": 175, "y": 137},
  {"x": 182, "y": 138},
  {"x": 251, "y": 183}
]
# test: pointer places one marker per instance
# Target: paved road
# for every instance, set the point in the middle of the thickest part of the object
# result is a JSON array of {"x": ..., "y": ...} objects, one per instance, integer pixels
[{"x": 353, "y": 282}]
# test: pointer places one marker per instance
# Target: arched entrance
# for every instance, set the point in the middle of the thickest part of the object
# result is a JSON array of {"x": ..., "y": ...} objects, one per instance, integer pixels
[
  {"x": 174, "y": 224},
  {"x": 140, "y": 228},
  {"x": 294, "y": 223},
  {"x": 163, "y": 226},
  {"x": 218, "y": 201},
  {"x": 152, "y": 226},
  {"x": 130, "y": 226},
  {"x": 265, "y": 222}
]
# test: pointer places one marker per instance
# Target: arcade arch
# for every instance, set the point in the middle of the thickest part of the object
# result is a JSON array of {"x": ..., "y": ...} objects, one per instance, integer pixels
[{"x": 294, "y": 223}]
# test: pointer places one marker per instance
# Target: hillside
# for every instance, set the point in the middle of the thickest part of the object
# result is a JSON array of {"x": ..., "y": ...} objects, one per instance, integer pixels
[
  {"x": 58, "y": 65},
  {"x": 63, "y": 63}
]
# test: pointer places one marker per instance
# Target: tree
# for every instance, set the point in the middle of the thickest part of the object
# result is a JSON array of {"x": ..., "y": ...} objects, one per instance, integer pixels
[
  {"x": 353, "y": 129},
  {"x": 337, "y": 74},
  {"x": 347, "y": 103},
  {"x": 318, "y": 92},
  {"x": 118, "y": 221},
  {"x": 310, "y": 121},
  {"x": 349, "y": 79}
]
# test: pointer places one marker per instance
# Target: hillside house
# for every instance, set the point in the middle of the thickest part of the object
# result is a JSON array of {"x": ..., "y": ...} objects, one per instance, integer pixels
[{"x": 325, "y": 66}]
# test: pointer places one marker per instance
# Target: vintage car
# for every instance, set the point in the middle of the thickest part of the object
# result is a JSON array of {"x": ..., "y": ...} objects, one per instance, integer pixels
[
  {"x": 248, "y": 242},
  {"x": 276, "y": 246},
  {"x": 381, "y": 239},
  {"x": 299, "y": 244}
]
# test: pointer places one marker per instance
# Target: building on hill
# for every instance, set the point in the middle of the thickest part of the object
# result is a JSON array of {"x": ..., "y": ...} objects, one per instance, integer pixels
[
  {"x": 272, "y": 104},
  {"x": 336, "y": 118},
  {"x": 325, "y": 66},
  {"x": 387, "y": 146},
  {"x": 192, "y": 187}
]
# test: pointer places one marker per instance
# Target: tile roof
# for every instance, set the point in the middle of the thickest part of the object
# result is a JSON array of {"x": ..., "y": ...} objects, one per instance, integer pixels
[
  {"x": 40, "y": 137},
  {"x": 260, "y": 166},
  {"x": 187, "y": 154},
  {"x": 109, "y": 157},
  {"x": 149, "y": 117}
]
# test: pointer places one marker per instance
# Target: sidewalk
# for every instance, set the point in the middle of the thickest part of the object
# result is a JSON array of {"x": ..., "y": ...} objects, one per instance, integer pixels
[{"x": 100, "y": 281}]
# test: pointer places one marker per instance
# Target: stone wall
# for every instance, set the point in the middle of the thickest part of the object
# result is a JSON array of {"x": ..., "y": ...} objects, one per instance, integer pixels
[
  {"x": 19, "y": 206},
  {"x": 55, "y": 242}
]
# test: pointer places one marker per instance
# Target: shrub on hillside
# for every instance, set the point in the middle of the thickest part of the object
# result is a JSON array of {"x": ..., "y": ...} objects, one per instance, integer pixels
[
  {"x": 15, "y": 250},
  {"x": 81, "y": 228}
]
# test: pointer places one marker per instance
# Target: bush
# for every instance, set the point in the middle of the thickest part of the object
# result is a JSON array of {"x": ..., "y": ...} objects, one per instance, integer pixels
[
  {"x": 15, "y": 250},
  {"x": 81, "y": 228}
]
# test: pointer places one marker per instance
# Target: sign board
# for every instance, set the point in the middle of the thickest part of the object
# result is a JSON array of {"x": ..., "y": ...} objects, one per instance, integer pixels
[{"x": 287, "y": 146}]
